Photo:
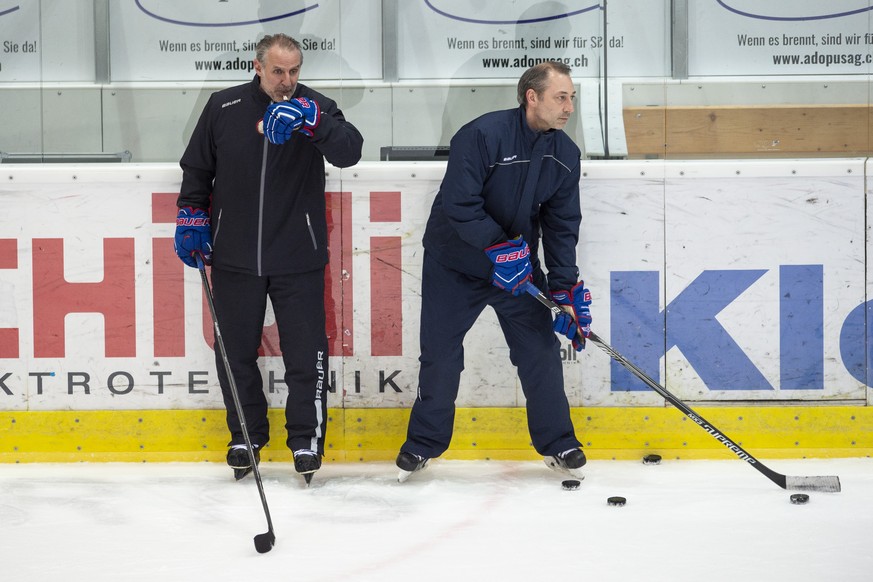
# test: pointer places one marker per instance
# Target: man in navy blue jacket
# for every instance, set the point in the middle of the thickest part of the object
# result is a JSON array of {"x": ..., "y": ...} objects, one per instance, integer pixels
[
  {"x": 252, "y": 205},
  {"x": 512, "y": 180}
]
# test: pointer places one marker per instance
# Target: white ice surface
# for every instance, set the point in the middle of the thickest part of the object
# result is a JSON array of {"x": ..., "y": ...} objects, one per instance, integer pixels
[{"x": 702, "y": 521}]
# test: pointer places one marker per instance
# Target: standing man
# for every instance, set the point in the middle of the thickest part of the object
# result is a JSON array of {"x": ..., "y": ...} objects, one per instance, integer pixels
[
  {"x": 512, "y": 176},
  {"x": 252, "y": 205}
]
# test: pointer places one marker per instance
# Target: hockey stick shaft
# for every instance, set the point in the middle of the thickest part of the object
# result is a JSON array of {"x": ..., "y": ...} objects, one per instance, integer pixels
[
  {"x": 263, "y": 542},
  {"x": 824, "y": 483}
]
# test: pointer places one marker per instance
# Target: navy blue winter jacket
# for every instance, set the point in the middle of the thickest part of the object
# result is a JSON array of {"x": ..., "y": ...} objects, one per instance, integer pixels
[{"x": 489, "y": 162}]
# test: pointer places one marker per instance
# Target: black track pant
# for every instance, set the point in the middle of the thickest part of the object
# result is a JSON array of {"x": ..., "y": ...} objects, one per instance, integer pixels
[
  {"x": 450, "y": 304},
  {"x": 298, "y": 305}
]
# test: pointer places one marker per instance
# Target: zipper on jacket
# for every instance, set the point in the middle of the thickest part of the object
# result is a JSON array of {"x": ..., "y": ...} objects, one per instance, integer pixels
[
  {"x": 217, "y": 227},
  {"x": 261, "y": 206},
  {"x": 311, "y": 232}
]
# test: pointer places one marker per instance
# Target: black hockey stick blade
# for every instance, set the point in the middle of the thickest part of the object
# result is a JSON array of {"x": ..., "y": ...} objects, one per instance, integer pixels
[
  {"x": 263, "y": 542},
  {"x": 830, "y": 484}
]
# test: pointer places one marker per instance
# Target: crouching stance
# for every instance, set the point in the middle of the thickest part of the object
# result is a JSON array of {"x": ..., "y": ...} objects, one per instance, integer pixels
[{"x": 512, "y": 181}]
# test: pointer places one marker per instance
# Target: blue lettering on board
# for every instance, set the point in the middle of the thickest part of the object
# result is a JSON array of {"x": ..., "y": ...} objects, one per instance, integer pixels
[{"x": 643, "y": 333}]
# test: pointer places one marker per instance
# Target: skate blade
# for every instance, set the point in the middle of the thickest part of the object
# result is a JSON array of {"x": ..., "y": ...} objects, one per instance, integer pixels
[
  {"x": 240, "y": 473},
  {"x": 553, "y": 464},
  {"x": 402, "y": 475}
]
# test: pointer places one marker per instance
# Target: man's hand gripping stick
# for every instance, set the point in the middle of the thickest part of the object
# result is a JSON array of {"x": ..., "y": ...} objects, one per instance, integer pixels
[{"x": 553, "y": 307}]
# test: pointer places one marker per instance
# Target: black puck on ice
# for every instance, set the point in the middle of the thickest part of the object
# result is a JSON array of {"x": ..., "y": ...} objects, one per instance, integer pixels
[
  {"x": 570, "y": 485},
  {"x": 652, "y": 460},
  {"x": 616, "y": 501},
  {"x": 799, "y": 498}
]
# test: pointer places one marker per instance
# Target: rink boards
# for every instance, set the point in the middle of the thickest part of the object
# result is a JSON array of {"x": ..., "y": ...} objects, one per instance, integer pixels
[{"x": 740, "y": 283}]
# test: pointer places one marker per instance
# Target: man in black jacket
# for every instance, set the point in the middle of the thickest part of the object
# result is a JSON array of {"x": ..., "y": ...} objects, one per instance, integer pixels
[{"x": 252, "y": 205}]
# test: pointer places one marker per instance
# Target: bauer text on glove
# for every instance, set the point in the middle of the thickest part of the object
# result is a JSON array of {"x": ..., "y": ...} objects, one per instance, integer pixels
[
  {"x": 193, "y": 235},
  {"x": 512, "y": 268}
]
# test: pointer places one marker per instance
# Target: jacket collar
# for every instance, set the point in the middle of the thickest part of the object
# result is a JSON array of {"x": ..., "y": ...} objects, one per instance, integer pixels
[
  {"x": 530, "y": 135},
  {"x": 260, "y": 96}
]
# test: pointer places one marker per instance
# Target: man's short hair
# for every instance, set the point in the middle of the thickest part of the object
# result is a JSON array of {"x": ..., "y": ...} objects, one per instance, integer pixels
[
  {"x": 280, "y": 40},
  {"x": 537, "y": 76}
]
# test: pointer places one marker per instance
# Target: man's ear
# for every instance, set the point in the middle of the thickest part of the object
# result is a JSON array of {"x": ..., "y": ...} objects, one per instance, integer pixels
[{"x": 530, "y": 96}]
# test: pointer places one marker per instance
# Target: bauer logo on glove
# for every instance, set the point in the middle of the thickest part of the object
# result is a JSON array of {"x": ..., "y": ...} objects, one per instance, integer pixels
[
  {"x": 193, "y": 235},
  {"x": 512, "y": 256},
  {"x": 512, "y": 268}
]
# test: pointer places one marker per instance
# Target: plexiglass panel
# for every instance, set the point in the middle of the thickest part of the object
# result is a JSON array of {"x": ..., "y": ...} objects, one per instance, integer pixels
[{"x": 656, "y": 78}]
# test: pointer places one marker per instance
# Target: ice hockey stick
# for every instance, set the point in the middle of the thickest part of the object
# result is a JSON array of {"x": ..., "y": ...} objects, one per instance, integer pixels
[
  {"x": 815, "y": 483},
  {"x": 263, "y": 542}
]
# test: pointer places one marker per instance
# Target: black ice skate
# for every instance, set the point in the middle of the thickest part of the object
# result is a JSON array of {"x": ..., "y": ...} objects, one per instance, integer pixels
[
  {"x": 306, "y": 462},
  {"x": 409, "y": 463},
  {"x": 239, "y": 460},
  {"x": 570, "y": 462}
]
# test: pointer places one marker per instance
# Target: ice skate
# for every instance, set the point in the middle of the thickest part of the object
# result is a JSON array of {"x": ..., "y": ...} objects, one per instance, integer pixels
[
  {"x": 409, "y": 463},
  {"x": 570, "y": 462},
  {"x": 239, "y": 460},
  {"x": 306, "y": 462}
]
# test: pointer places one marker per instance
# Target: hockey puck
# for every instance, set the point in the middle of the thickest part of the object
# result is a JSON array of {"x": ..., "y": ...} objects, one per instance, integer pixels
[
  {"x": 616, "y": 501},
  {"x": 570, "y": 485},
  {"x": 652, "y": 460},
  {"x": 799, "y": 498}
]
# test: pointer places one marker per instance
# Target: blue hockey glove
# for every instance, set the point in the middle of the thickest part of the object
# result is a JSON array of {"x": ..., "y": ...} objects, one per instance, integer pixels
[
  {"x": 193, "y": 235},
  {"x": 512, "y": 268},
  {"x": 311, "y": 115},
  {"x": 576, "y": 320},
  {"x": 284, "y": 118}
]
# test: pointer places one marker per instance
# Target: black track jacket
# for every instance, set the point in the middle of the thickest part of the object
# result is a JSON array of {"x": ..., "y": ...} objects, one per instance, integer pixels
[{"x": 266, "y": 201}]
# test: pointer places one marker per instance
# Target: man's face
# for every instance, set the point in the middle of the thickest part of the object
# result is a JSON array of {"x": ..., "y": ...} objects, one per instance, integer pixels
[
  {"x": 552, "y": 109},
  {"x": 279, "y": 72}
]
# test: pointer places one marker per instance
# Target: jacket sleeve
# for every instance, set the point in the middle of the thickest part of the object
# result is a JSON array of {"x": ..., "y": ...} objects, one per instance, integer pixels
[
  {"x": 462, "y": 190},
  {"x": 561, "y": 218},
  {"x": 339, "y": 141},
  {"x": 198, "y": 164}
]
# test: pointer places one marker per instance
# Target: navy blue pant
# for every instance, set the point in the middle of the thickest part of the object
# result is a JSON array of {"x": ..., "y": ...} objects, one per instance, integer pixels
[
  {"x": 450, "y": 304},
  {"x": 298, "y": 305}
]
